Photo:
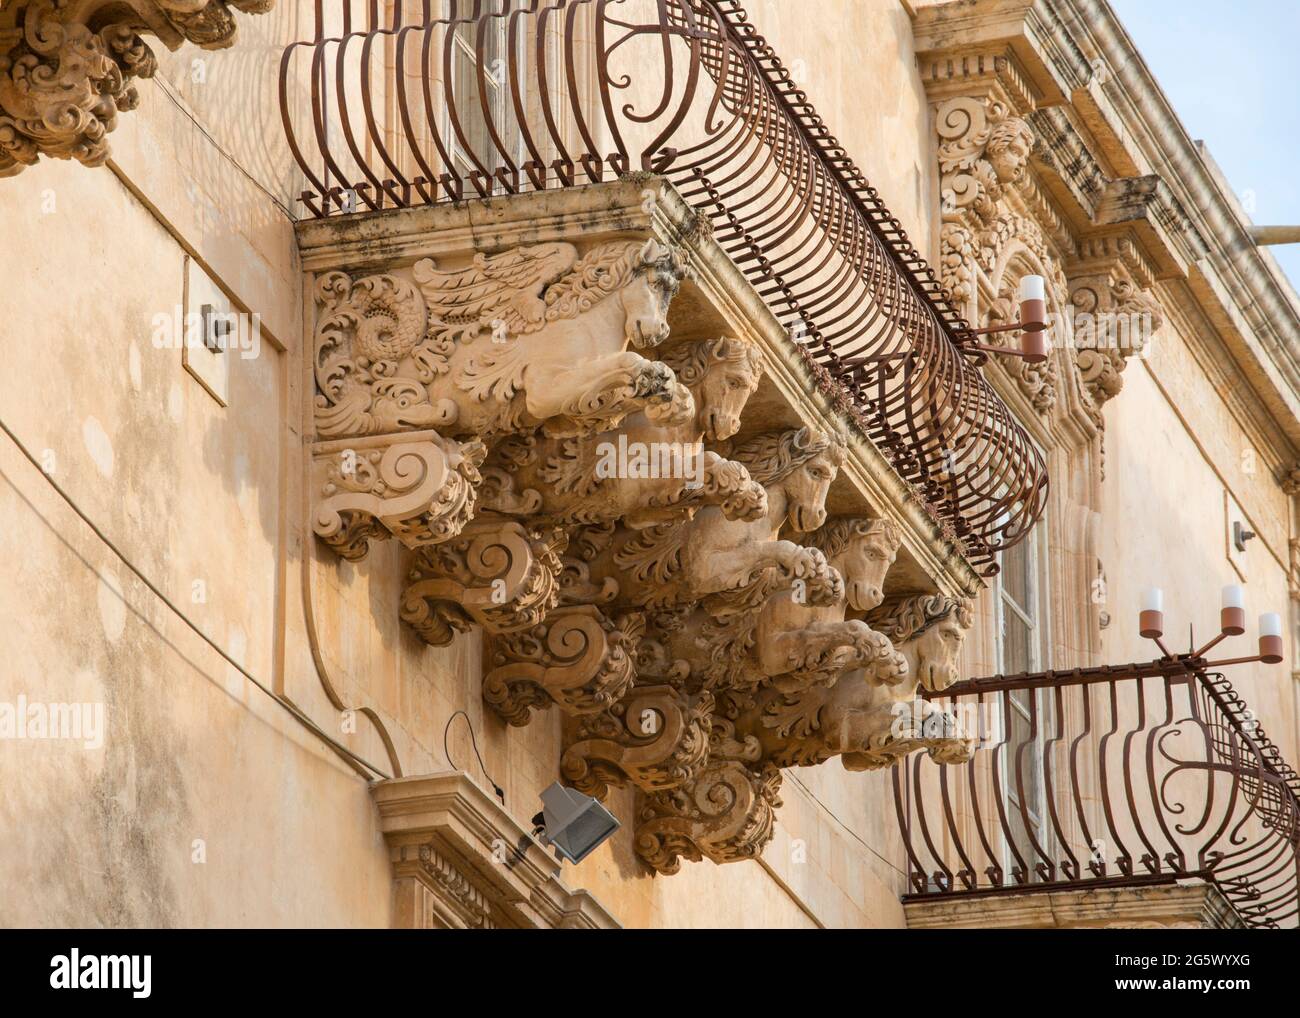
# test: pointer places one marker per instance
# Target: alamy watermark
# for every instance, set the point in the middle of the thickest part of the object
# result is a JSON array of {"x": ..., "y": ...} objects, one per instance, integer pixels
[
  {"x": 651, "y": 461},
  {"x": 1122, "y": 331},
  {"x": 218, "y": 331},
  {"x": 30, "y": 719}
]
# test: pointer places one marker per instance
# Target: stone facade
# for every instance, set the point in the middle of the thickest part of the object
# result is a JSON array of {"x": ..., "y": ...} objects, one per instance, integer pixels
[{"x": 392, "y": 507}]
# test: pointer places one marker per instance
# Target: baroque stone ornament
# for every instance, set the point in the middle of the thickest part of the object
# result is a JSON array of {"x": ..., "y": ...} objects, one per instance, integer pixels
[
  {"x": 787, "y": 643},
  {"x": 645, "y": 471},
  {"x": 732, "y": 565},
  {"x": 656, "y": 737},
  {"x": 496, "y": 573},
  {"x": 579, "y": 659},
  {"x": 1038, "y": 381},
  {"x": 1112, "y": 320},
  {"x": 418, "y": 487},
  {"x": 67, "y": 67},
  {"x": 726, "y": 815},
  {"x": 870, "y": 724},
  {"x": 535, "y": 335},
  {"x": 983, "y": 149}
]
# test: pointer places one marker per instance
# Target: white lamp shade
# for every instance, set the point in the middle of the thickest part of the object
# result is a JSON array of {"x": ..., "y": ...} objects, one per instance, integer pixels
[
  {"x": 1234, "y": 596},
  {"x": 1153, "y": 599},
  {"x": 1270, "y": 624},
  {"x": 1033, "y": 288}
]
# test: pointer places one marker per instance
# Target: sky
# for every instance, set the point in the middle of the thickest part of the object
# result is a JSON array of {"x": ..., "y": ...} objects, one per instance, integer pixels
[{"x": 1231, "y": 69}]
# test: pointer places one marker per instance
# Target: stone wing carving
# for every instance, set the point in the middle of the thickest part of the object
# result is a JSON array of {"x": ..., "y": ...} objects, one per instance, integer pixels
[{"x": 505, "y": 288}]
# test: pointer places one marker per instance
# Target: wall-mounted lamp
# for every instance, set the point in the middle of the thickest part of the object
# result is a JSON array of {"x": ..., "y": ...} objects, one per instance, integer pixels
[
  {"x": 1032, "y": 326},
  {"x": 1232, "y": 622},
  {"x": 572, "y": 823}
]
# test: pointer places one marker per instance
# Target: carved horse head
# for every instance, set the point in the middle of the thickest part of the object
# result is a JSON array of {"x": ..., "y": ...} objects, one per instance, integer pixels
[
  {"x": 722, "y": 374},
  {"x": 656, "y": 275},
  {"x": 928, "y": 629},
  {"x": 796, "y": 467},
  {"x": 862, "y": 550}
]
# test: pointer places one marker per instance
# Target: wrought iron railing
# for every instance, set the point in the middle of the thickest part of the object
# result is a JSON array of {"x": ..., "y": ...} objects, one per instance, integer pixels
[
  {"x": 1141, "y": 774},
  {"x": 395, "y": 103}
]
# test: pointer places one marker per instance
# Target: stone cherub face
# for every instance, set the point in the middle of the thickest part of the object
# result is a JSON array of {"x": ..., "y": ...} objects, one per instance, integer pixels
[{"x": 1008, "y": 148}]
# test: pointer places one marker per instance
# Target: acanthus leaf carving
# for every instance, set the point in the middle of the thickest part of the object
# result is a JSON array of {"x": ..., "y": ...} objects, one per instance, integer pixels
[
  {"x": 69, "y": 68},
  {"x": 496, "y": 573},
  {"x": 656, "y": 737},
  {"x": 578, "y": 658}
]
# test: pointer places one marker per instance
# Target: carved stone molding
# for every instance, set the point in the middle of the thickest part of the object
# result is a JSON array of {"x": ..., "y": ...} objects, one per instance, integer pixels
[
  {"x": 585, "y": 479},
  {"x": 1190, "y": 904},
  {"x": 726, "y": 815},
  {"x": 497, "y": 573},
  {"x": 867, "y": 718},
  {"x": 1112, "y": 320},
  {"x": 67, "y": 67},
  {"x": 728, "y": 565},
  {"x": 983, "y": 150},
  {"x": 461, "y": 861},
  {"x": 418, "y": 487},
  {"x": 1289, "y": 479}
]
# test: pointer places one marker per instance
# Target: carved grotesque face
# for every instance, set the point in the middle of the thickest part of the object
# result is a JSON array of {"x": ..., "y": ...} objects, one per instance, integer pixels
[
  {"x": 936, "y": 653},
  {"x": 806, "y": 488},
  {"x": 1008, "y": 148},
  {"x": 864, "y": 564},
  {"x": 723, "y": 395}
]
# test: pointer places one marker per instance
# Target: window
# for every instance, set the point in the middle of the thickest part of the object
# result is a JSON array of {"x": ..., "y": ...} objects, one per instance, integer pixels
[
  {"x": 476, "y": 84},
  {"x": 1030, "y": 717}
]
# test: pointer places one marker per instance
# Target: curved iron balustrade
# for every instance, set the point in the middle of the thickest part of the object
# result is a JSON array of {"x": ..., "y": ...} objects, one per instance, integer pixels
[
  {"x": 1141, "y": 774},
  {"x": 419, "y": 102}
]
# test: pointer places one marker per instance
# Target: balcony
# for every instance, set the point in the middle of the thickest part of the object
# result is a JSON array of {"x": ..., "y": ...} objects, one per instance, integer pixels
[
  {"x": 1130, "y": 777},
  {"x": 390, "y": 106}
]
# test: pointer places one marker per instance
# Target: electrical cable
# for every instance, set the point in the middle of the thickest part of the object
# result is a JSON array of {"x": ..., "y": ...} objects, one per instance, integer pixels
[
  {"x": 293, "y": 711},
  {"x": 473, "y": 742}
]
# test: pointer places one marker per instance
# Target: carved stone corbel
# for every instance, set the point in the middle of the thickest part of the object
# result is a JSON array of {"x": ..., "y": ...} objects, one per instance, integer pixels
[
  {"x": 646, "y": 471},
  {"x": 497, "y": 573},
  {"x": 726, "y": 815},
  {"x": 578, "y": 659},
  {"x": 534, "y": 336},
  {"x": 870, "y": 720},
  {"x": 656, "y": 737},
  {"x": 731, "y": 565},
  {"x": 1112, "y": 319},
  {"x": 418, "y": 487},
  {"x": 67, "y": 67}
]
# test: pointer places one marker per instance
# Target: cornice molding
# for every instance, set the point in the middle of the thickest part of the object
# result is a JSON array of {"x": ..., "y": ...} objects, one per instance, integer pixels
[
  {"x": 1258, "y": 312},
  {"x": 460, "y": 860}
]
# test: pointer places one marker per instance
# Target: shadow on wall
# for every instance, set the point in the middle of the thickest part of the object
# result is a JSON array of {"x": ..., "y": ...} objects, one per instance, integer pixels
[{"x": 233, "y": 94}]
